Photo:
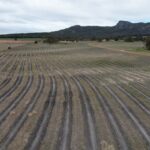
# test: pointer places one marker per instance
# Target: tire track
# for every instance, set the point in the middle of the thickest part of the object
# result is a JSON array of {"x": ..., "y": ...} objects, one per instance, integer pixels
[
  {"x": 18, "y": 123},
  {"x": 39, "y": 132},
  {"x": 90, "y": 128},
  {"x": 65, "y": 132},
  {"x": 123, "y": 144}
]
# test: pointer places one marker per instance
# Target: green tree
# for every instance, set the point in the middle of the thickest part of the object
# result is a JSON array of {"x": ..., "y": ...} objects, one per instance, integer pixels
[
  {"x": 100, "y": 40},
  {"x": 147, "y": 43},
  {"x": 51, "y": 40},
  {"x": 116, "y": 39},
  {"x": 129, "y": 39},
  {"x": 107, "y": 39},
  {"x": 35, "y": 42}
]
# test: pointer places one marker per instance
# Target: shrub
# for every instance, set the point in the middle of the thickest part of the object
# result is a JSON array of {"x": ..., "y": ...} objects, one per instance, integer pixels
[
  {"x": 9, "y": 47},
  {"x": 107, "y": 39},
  {"x": 116, "y": 39},
  {"x": 51, "y": 40},
  {"x": 93, "y": 39},
  {"x": 147, "y": 43},
  {"x": 35, "y": 42},
  {"x": 100, "y": 40},
  {"x": 129, "y": 39},
  {"x": 138, "y": 38}
]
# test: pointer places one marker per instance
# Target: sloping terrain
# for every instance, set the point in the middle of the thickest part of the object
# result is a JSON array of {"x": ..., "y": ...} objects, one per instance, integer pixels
[
  {"x": 76, "y": 96},
  {"x": 121, "y": 29},
  {"x": 77, "y": 32}
]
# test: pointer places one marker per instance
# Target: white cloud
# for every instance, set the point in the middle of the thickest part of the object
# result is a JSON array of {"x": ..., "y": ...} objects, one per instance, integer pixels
[{"x": 50, "y": 15}]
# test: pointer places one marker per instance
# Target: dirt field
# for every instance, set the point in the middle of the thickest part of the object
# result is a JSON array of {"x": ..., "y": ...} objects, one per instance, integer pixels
[
  {"x": 75, "y": 96},
  {"x": 5, "y": 43}
]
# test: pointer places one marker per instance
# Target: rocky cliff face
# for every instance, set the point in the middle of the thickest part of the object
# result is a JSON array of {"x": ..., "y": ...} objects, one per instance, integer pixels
[
  {"x": 124, "y": 25},
  {"x": 122, "y": 28}
]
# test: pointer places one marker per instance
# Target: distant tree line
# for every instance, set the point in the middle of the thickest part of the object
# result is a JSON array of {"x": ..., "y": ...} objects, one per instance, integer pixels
[{"x": 55, "y": 39}]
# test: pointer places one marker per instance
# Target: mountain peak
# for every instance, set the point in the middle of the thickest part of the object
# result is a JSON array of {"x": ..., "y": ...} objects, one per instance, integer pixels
[
  {"x": 123, "y": 24},
  {"x": 75, "y": 27},
  {"x": 121, "y": 29}
]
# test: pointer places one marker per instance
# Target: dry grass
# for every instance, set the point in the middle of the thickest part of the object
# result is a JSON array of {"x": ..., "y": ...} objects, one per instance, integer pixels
[{"x": 80, "y": 105}]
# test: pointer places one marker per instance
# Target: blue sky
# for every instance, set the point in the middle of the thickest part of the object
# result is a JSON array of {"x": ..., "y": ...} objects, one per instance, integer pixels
[{"x": 50, "y": 15}]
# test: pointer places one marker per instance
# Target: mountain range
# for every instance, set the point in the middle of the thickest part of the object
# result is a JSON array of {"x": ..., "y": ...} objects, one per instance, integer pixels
[{"x": 121, "y": 29}]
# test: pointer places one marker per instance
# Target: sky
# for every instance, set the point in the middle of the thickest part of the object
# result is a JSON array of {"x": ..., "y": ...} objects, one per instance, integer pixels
[{"x": 22, "y": 16}]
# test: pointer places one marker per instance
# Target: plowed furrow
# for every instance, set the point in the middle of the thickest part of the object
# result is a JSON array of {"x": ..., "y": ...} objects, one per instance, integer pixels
[
  {"x": 112, "y": 119},
  {"x": 141, "y": 92},
  {"x": 136, "y": 122},
  {"x": 16, "y": 100},
  {"x": 9, "y": 75},
  {"x": 130, "y": 96},
  {"x": 39, "y": 132},
  {"x": 16, "y": 126},
  {"x": 90, "y": 132},
  {"x": 17, "y": 82},
  {"x": 64, "y": 137}
]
